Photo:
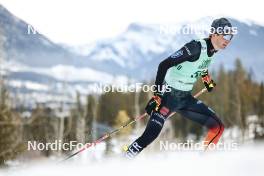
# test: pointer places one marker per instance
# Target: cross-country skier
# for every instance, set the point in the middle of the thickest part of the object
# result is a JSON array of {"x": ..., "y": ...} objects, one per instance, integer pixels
[{"x": 179, "y": 72}]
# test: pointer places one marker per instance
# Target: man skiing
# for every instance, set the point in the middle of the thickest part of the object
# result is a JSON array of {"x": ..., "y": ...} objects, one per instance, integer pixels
[{"x": 179, "y": 72}]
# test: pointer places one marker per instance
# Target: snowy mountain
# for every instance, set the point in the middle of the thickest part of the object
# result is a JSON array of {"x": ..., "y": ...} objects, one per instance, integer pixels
[
  {"x": 138, "y": 50},
  {"x": 35, "y": 64},
  {"x": 27, "y": 48},
  {"x": 34, "y": 52}
]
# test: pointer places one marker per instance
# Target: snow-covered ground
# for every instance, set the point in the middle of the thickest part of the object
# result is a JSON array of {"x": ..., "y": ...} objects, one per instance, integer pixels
[{"x": 247, "y": 160}]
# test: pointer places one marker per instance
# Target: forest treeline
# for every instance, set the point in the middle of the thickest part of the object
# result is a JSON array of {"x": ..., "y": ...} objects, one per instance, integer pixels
[{"x": 236, "y": 97}]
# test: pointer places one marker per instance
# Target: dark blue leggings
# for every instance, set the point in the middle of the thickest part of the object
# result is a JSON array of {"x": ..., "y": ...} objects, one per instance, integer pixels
[{"x": 189, "y": 107}]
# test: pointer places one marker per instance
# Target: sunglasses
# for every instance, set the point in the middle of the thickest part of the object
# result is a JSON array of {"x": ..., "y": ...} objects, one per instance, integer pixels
[{"x": 228, "y": 37}]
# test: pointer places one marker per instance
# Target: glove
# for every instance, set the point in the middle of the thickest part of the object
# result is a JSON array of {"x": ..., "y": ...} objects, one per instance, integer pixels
[
  {"x": 154, "y": 103},
  {"x": 208, "y": 82}
]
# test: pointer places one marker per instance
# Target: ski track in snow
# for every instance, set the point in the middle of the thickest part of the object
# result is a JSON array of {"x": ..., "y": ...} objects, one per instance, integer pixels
[{"x": 242, "y": 162}]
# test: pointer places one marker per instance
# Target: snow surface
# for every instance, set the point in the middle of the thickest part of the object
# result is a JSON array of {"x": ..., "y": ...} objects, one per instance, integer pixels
[{"x": 243, "y": 162}]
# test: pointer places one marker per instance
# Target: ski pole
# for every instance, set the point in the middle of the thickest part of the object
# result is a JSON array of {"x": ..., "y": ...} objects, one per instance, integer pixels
[
  {"x": 107, "y": 135},
  {"x": 200, "y": 92}
]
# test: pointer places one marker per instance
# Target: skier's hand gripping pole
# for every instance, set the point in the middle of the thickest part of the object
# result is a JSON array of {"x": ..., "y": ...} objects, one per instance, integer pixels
[{"x": 107, "y": 135}]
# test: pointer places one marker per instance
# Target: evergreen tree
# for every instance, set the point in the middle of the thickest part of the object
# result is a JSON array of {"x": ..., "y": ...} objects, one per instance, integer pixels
[
  {"x": 44, "y": 127},
  {"x": 90, "y": 118},
  {"x": 261, "y": 101},
  {"x": 11, "y": 143}
]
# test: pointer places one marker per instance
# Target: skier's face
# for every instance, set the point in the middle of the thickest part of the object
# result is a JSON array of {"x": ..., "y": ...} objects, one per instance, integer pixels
[{"x": 219, "y": 41}]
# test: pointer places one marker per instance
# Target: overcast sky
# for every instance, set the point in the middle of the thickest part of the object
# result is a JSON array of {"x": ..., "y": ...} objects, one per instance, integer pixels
[{"x": 78, "y": 22}]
